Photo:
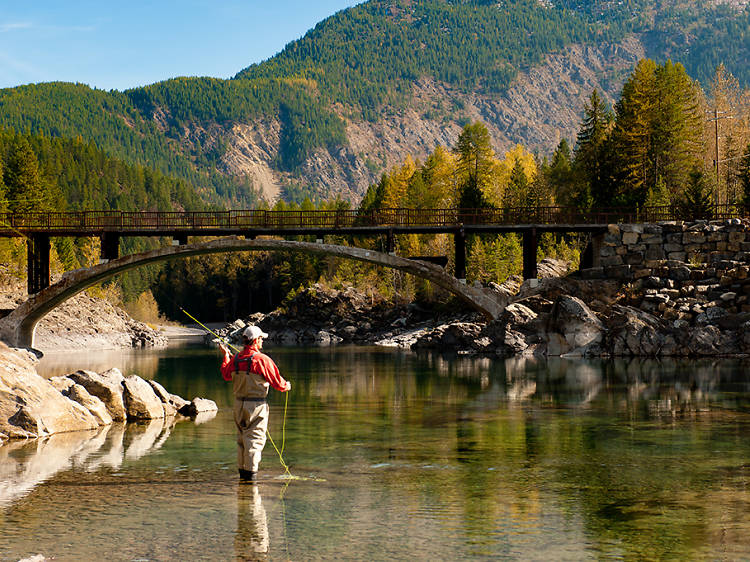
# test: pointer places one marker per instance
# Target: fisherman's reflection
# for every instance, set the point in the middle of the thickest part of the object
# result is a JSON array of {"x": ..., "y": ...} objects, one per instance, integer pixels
[{"x": 251, "y": 539}]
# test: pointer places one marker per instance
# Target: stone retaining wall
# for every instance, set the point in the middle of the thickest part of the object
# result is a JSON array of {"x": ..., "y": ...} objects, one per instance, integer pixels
[{"x": 678, "y": 262}]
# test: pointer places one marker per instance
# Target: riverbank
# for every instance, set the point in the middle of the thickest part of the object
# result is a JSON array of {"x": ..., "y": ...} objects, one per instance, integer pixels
[
  {"x": 85, "y": 322},
  {"x": 672, "y": 308}
]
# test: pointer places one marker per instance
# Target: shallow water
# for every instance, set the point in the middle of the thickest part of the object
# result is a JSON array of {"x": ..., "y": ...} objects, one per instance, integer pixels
[{"x": 408, "y": 457}]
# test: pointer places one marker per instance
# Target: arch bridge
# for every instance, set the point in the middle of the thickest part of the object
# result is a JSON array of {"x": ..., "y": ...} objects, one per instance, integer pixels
[{"x": 18, "y": 328}]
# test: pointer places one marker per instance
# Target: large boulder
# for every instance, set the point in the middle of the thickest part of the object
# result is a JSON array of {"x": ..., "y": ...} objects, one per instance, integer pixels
[
  {"x": 456, "y": 336},
  {"x": 32, "y": 407},
  {"x": 171, "y": 402},
  {"x": 573, "y": 328},
  {"x": 516, "y": 332},
  {"x": 634, "y": 332},
  {"x": 141, "y": 402},
  {"x": 95, "y": 406},
  {"x": 107, "y": 387}
]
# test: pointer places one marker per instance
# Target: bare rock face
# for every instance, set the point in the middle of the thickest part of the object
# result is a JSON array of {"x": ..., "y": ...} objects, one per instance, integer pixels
[
  {"x": 95, "y": 406},
  {"x": 107, "y": 387},
  {"x": 634, "y": 332},
  {"x": 141, "y": 402},
  {"x": 573, "y": 328},
  {"x": 30, "y": 406},
  {"x": 61, "y": 383},
  {"x": 516, "y": 331},
  {"x": 171, "y": 402}
]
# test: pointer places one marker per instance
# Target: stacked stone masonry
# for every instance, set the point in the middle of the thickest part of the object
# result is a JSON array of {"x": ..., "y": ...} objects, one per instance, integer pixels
[{"x": 687, "y": 273}]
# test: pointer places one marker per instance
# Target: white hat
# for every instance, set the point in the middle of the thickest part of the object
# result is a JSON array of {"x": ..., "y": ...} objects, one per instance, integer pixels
[{"x": 253, "y": 333}]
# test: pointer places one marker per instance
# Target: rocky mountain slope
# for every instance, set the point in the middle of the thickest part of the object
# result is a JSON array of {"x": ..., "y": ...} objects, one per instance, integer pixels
[{"x": 543, "y": 105}]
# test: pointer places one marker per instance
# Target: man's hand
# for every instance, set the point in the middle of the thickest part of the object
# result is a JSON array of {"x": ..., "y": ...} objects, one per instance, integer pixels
[
  {"x": 224, "y": 348},
  {"x": 288, "y": 386}
]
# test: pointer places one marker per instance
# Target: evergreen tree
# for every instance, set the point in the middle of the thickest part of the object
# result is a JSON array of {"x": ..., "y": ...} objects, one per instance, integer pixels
[
  {"x": 472, "y": 196},
  {"x": 696, "y": 200},
  {"x": 26, "y": 191},
  {"x": 475, "y": 154},
  {"x": 745, "y": 177},
  {"x": 559, "y": 174},
  {"x": 591, "y": 158},
  {"x": 516, "y": 191},
  {"x": 3, "y": 190},
  {"x": 658, "y": 131}
]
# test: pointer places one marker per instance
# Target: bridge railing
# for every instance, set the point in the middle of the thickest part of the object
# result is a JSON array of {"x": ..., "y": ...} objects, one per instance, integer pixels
[{"x": 237, "y": 220}]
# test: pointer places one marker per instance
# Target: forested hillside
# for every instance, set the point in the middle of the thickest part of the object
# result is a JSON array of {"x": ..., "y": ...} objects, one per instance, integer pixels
[
  {"x": 383, "y": 79},
  {"x": 41, "y": 173}
]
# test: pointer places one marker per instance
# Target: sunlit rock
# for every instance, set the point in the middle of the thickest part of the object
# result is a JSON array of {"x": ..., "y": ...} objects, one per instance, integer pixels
[
  {"x": 141, "y": 402},
  {"x": 107, "y": 387},
  {"x": 95, "y": 406},
  {"x": 32, "y": 407},
  {"x": 197, "y": 406}
]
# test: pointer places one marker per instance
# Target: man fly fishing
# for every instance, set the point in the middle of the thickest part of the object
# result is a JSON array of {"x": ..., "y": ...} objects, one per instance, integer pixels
[{"x": 251, "y": 372}]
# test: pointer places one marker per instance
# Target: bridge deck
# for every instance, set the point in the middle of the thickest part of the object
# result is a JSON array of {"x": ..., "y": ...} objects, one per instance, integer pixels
[{"x": 262, "y": 222}]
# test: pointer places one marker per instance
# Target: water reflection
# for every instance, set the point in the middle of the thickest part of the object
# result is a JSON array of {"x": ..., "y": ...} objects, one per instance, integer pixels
[
  {"x": 251, "y": 541},
  {"x": 426, "y": 455},
  {"x": 24, "y": 465}
]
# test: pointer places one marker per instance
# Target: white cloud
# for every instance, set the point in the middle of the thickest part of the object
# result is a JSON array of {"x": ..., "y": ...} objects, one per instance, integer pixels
[{"x": 6, "y": 27}]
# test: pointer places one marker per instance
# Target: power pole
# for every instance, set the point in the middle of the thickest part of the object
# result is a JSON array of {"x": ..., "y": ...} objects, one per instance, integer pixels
[{"x": 716, "y": 152}]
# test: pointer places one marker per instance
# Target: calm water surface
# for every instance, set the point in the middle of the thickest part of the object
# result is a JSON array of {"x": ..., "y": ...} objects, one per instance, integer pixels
[{"x": 406, "y": 457}]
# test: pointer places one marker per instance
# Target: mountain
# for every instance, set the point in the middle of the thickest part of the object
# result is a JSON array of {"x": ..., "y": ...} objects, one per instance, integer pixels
[{"x": 387, "y": 78}]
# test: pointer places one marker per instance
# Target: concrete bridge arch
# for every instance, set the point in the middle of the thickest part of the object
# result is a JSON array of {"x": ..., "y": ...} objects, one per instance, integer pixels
[{"x": 18, "y": 328}]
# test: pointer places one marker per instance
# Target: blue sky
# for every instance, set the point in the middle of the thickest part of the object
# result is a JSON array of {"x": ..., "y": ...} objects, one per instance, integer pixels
[{"x": 120, "y": 45}]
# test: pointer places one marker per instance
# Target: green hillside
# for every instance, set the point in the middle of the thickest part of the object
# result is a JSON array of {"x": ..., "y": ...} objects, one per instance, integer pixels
[{"x": 358, "y": 61}]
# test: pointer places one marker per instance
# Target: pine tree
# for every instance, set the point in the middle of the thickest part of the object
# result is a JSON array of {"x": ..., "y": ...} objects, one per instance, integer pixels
[
  {"x": 475, "y": 154},
  {"x": 3, "y": 190},
  {"x": 696, "y": 200},
  {"x": 658, "y": 131},
  {"x": 517, "y": 190},
  {"x": 591, "y": 161},
  {"x": 25, "y": 188},
  {"x": 745, "y": 178}
]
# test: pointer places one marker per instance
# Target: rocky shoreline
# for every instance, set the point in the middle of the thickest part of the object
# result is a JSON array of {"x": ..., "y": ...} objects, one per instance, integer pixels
[
  {"x": 85, "y": 322},
  {"x": 34, "y": 407},
  {"x": 664, "y": 306}
]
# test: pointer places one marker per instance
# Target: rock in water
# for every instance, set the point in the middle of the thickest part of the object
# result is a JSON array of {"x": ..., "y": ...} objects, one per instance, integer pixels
[
  {"x": 197, "y": 406},
  {"x": 95, "y": 406},
  {"x": 107, "y": 387},
  {"x": 141, "y": 402},
  {"x": 30, "y": 406},
  {"x": 573, "y": 327}
]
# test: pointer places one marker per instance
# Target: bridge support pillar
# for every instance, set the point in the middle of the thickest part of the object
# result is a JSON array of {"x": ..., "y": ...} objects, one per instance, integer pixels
[
  {"x": 37, "y": 265},
  {"x": 390, "y": 243},
  {"x": 530, "y": 244},
  {"x": 459, "y": 239},
  {"x": 110, "y": 246},
  {"x": 590, "y": 256}
]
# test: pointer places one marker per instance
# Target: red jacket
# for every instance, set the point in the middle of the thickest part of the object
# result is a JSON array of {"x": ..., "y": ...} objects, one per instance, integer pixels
[{"x": 260, "y": 364}]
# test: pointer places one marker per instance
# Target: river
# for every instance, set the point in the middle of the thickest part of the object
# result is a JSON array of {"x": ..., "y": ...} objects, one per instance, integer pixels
[{"x": 401, "y": 456}]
